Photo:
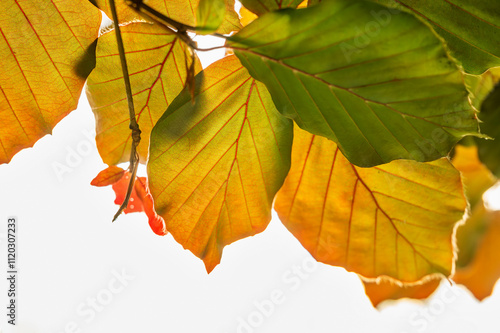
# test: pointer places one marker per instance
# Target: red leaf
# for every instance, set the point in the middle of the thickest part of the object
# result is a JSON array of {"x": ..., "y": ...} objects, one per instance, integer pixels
[
  {"x": 140, "y": 198},
  {"x": 120, "y": 188},
  {"x": 156, "y": 222}
]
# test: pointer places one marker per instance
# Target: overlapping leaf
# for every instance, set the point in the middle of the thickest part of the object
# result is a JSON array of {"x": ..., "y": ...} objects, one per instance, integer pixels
[
  {"x": 476, "y": 177},
  {"x": 381, "y": 90},
  {"x": 483, "y": 271},
  {"x": 489, "y": 150},
  {"x": 215, "y": 165},
  {"x": 260, "y": 7},
  {"x": 210, "y": 15},
  {"x": 477, "y": 180},
  {"x": 480, "y": 86},
  {"x": 45, "y": 60},
  {"x": 475, "y": 270},
  {"x": 479, "y": 275},
  {"x": 183, "y": 11},
  {"x": 395, "y": 220},
  {"x": 246, "y": 16},
  {"x": 140, "y": 197},
  {"x": 157, "y": 62},
  {"x": 470, "y": 28}
]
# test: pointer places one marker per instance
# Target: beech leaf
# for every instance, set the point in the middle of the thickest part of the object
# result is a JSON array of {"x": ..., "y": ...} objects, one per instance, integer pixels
[
  {"x": 183, "y": 11},
  {"x": 215, "y": 165},
  {"x": 384, "y": 290},
  {"x": 385, "y": 91},
  {"x": 470, "y": 28},
  {"x": 480, "y": 86},
  {"x": 108, "y": 176},
  {"x": 260, "y": 7},
  {"x": 475, "y": 175},
  {"x": 140, "y": 198},
  {"x": 41, "y": 81},
  {"x": 395, "y": 220},
  {"x": 476, "y": 179},
  {"x": 157, "y": 66},
  {"x": 209, "y": 15},
  {"x": 489, "y": 150},
  {"x": 481, "y": 274}
]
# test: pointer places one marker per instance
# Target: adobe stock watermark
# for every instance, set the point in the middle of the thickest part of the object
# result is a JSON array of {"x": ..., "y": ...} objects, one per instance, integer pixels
[
  {"x": 365, "y": 35},
  {"x": 292, "y": 279},
  {"x": 421, "y": 318},
  {"x": 89, "y": 309},
  {"x": 74, "y": 155}
]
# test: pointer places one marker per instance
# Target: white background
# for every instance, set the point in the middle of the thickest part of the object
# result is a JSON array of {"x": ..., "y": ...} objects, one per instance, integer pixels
[{"x": 69, "y": 253}]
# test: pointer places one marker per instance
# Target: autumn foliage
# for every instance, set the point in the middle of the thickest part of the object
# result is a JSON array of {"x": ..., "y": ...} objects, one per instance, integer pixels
[{"x": 366, "y": 125}]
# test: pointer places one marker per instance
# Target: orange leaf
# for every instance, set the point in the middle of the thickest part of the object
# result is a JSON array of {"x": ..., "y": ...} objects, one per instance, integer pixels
[
  {"x": 47, "y": 52},
  {"x": 216, "y": 164},
  {"x": 476, "y": 176},
  {"x": 483, "y": 271},
  {"x": 395, "y": 220},
  {"x": 108, "y": 176},
  {"x": 156, "y": 222},
  {"x": 156, "y": 60},
  {"x": 384, "y": 290}
]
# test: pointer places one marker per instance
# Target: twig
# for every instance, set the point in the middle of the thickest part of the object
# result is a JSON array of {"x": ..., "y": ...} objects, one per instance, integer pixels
[
  {"x": 136, "y": 132},
  {"x": 178, "y": 28}
]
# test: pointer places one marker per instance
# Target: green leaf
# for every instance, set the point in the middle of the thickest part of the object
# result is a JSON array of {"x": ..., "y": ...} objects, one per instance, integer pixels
[
  {"x": 260, "y": 7},
  {"x": 489, "y": 150},
  {"x": 480, "y": 86},
  {"x": 47, "y": 49},
  {"x": 215, "y": 165},
  {"x": 471, "y": 28},
  {"x": 209, "y": 15},
  {"x": 157, "y": 65},
  {"x": 381, "y": 89}
]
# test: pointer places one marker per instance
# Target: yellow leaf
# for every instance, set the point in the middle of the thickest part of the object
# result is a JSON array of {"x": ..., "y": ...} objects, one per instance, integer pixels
[
  {"x": 216, "y": 165},
  {"x": 478, "y": 265},
  {"x": 46, "y": 51},
  {"x": 394, "y": 220},
  {"x": 303, "y": 4},
  {"x": 477, "y": 179},
  {"x": 183, "y": 11},
  {"x": 156, "y": 62},
  {"x": 246, "y": 16}
]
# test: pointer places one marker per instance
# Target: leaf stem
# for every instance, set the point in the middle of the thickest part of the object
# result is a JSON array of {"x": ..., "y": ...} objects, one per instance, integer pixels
[{"x": 134, "y": 126}]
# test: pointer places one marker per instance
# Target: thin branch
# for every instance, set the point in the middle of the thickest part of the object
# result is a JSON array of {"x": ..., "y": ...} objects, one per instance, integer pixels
[
  {"x": 136, "y": 132},
  {"x": 178, "y": 28},
  {"x": 129, "y": 189}
]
